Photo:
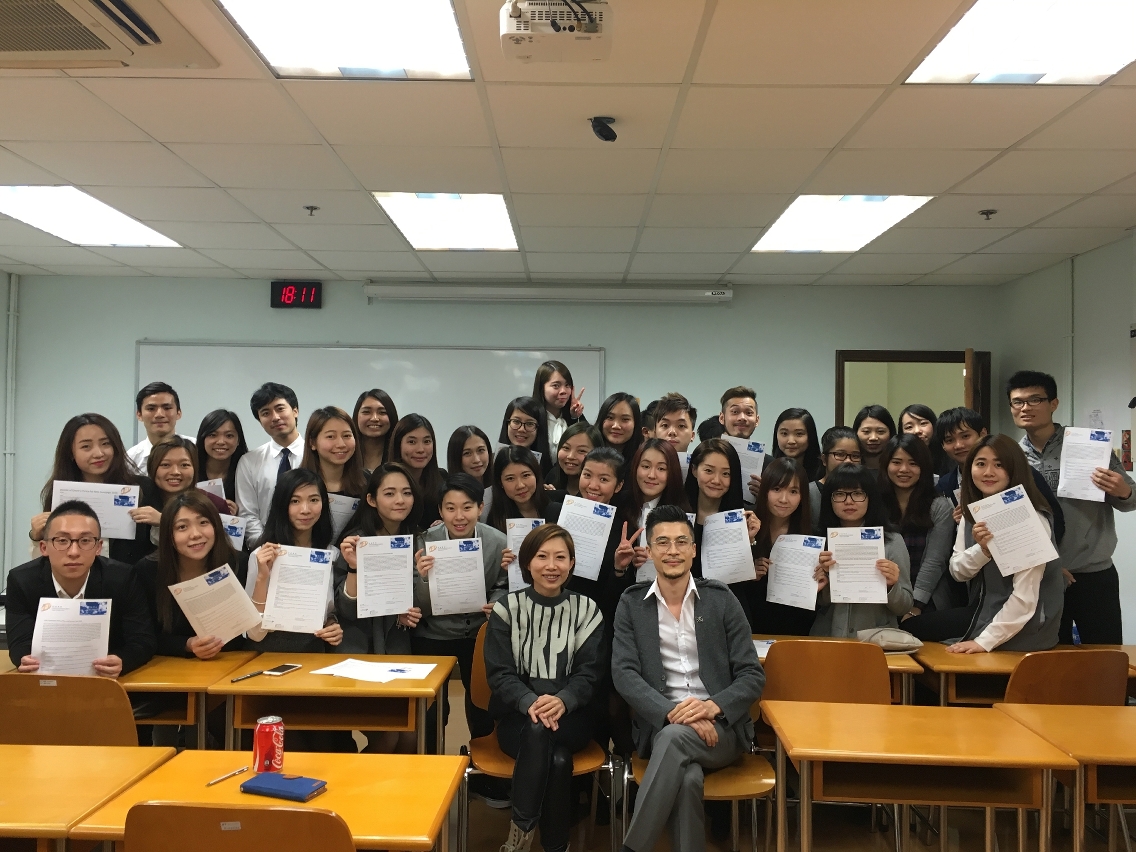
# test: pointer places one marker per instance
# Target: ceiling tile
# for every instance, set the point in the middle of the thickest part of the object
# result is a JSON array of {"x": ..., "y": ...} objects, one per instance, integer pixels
[
  {"x": 368, "y": 238},
  {"x": 673, "y": 279},
  {"x": 16, "y": 171},
  {"x": 13, "y": 233},
  {"x": 576, "y": 277},
  {"x": 390, "y": 112},
  {"x": 279, "y": 206},
  {"x": 680, "y": 263},
  {"x": 932, "y": 240},
  {"x": 113, "y": 270},
  {"x": 472, "y": 261},
  {"x": 896, "y": 263},
  {"x": 557, "y": 116},
  {"x": 1107, "y": 119},
  {"x": 288, "y": 274},
  {"x": 206, "y": 110},
  {"x": 111, "y": 163},
  {"x": 233, "y": 235},
  {"x": 191, "y": 272},
  {"x": 945, "y": 280},
  {"x": 422, "y": 169},
  {"x": 896, "y": 172},
  {"x": 698, "y": 239},
  {"x": 866, "y": 279},
  {"x": 825, "y": 42},
  {"x": 732, "y": 117},
  {"x": 578, "y": 210},
  {"x": 771, "y": 279},
  {"x": 716, "y": 211},
  {"x": 390, "y": 275},
  {"x": 961, "y": 211},
  {"x": 268, "y": 166},
  {"x": 369, "y": 261},
  {"x": 459, "y": 277},
  {"x": 1096, "y": 211},
  {"x": 570, "y": 264},
  {"x": 789, "y": 262},
  {"x": 733, "y": 171},
  {"x": 989, "y": 264},
  {"x": 549, "y": 170},
  {"x": 1070, "y": 240},
  {"x": 578, "y": 240},
  {"x": 262, "y": 259},
  {"x": 59, "y": 109},
  {"x": 921, "y": 116},
  {"x": 14, "y": 267},
  {"x": 154, "y": 204},
  {"x": 1052, "y": 172},
  {"x": 148, "y": 256},
  {"x": 45, "y": 256}
]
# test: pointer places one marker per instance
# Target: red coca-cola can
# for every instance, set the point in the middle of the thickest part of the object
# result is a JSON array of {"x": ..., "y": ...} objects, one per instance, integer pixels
[{"x": 268, "y": 744}]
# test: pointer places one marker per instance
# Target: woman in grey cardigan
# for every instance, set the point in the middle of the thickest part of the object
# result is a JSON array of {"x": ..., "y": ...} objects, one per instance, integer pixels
[{"x": 851, "y": 498}]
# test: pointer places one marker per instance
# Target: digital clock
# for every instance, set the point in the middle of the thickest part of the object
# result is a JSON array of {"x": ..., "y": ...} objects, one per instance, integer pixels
[{"x": 297, "y": 294}]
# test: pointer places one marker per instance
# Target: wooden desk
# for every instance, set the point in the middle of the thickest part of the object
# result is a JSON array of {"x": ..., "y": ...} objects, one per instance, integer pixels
[
  {"x": 314, "y": 702},
  {"x": 45, "y": 790},
  {"x": 975, "y": 679},
  {"x": 187, "y": 676},
  {"x": 901, "y": 667},
  {"x": 389, "y": 801},
  {"x": 1103, "y": 742},
  {"x": 949, "y": 756}
]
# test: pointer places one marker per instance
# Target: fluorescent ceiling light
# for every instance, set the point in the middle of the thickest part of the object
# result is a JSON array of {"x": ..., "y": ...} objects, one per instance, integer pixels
[
  {"x": 1082, "y": 42},
  {"x": 72, "y": 215},
  {"x": 407, "y": 39},
  {"x": 446, "y": 221},
  {"x": 837, "y": 222}
]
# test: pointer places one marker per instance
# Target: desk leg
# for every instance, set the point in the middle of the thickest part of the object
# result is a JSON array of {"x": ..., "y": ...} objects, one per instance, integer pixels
[
  {"x": 943, "y": 839},
  {"x": 991, "y": 841},
  {"x": 1045, "y": 823},
  {"x": 440, "y": 721},
  {"x": 906, "y": 689},
  {"x": 1023, "y": 829},
  {"x": 782, "y": 805},
  {"x": 229, "y": 700},
  {"x": 420, "y": 727},
  {"x": 942, "y": 689},
  {"x": 806, "y": 806},
  {"x": 200, "y": 699},
  {"x": 1079, "y": 810}
]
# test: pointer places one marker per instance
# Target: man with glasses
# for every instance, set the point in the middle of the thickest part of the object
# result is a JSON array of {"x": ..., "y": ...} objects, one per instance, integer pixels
[
  {"x": 684, "y": 660},
  {"x": 1092, "y": 593},
  {"x": 70, "y": 567}
]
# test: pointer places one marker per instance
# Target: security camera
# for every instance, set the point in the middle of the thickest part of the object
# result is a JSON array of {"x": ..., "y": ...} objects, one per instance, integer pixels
[{"x": 601, "y": 126}]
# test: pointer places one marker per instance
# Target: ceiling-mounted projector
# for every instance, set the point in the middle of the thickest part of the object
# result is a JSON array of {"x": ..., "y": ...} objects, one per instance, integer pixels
[{"x": 556, "y": 30}]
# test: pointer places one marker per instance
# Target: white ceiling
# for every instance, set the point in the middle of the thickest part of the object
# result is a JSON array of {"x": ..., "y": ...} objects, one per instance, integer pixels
[{"x": 725, "y": 110}]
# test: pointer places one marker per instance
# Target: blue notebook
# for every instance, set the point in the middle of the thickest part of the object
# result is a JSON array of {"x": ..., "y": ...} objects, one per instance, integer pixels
[{"x": 294, "y": 788}]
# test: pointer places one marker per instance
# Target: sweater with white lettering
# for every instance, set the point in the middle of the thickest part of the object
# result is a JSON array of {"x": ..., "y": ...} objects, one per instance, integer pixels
[{"x": 544, "y": 646}]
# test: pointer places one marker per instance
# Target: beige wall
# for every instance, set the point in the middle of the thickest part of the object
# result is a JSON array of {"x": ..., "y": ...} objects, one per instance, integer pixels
[{"x": 899, "y": 384}]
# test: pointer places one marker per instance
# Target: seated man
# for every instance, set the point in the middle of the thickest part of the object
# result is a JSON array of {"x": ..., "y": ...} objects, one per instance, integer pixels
[
  {"x": 70, "y": 567},
  {"x": 684, "y": 660}
]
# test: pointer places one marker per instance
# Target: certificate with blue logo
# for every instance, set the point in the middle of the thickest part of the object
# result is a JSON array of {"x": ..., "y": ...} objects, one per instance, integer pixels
[
  {"x": 299, "y": 590},
  {"x": 386, "y": 575},
  {"x": 1020, "y": 539},
  {"x": 457, "y": 580},
  {"x": 589, "y": 523},
  {"x": 69, "y": 635},
  {"x": 855, "y": 578}
]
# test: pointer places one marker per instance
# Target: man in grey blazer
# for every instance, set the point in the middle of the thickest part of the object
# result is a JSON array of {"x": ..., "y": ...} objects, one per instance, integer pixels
[{"x": 683, "y": 658}]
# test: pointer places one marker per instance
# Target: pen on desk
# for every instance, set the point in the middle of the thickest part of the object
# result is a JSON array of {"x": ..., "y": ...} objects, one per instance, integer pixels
[
  {"x": 225, "y": 777},
  {"x": 246, "y": 676}
]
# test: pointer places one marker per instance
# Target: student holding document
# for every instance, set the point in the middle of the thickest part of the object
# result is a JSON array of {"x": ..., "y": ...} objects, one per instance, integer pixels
[
  {"x": 578, "y": 440},
  {"x": 69, "y": 567},
  {"x": 555, "y": 392},
  {"x": 851, "y": 499},
  {"x": 331, "y": 449},
  {"x": 277, "y": 409},
  {"x": 374, "y": 417},
  {"x": 620, "y": 424},
  {"x": 839, "y": 445},
  {"x": 220, "y": 448},
  {"x": 412, "y": 443},
  {"x": 1021, "y": 611},
  {"x": 90, "y": 450},
  {"x": 874, "y": 427},
  {"x": 158, "y": 409},
  {"x": 518, "y": 490}
]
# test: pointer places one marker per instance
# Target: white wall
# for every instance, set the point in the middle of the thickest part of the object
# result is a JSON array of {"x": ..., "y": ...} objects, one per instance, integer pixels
[{"x": 77, "y": 343}]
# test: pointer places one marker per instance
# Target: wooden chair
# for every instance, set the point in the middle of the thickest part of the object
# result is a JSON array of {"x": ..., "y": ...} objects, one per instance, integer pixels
[
  {"x": 60, "y": 710},
  {"x": 1070, "y": 677},
  {"x": 183, "y": 827},
  {"x": 487, "y": 758}
]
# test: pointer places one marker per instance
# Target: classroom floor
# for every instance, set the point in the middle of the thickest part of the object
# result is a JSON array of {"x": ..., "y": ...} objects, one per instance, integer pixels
[{"x": 835, "y": 827}]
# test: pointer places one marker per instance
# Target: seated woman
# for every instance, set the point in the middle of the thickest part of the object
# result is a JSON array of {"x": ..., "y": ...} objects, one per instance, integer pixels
[{"x": 545, "y": 654}]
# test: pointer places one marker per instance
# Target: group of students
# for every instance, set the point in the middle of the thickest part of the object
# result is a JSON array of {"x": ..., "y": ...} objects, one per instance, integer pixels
[{"x": 612, "y": 682}]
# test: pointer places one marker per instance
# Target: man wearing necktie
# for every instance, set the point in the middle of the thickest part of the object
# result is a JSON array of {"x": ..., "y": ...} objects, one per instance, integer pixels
[{"x": 278, "y": 411}]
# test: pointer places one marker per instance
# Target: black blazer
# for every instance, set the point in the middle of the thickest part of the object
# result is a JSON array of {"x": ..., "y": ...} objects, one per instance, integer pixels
[
  {"x": 171, "y": 643},
  {"x": 131, "y": 630}
]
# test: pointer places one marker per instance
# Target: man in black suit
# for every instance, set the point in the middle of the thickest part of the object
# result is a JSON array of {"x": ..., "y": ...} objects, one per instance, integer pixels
[{"x": 70, "y": 567}]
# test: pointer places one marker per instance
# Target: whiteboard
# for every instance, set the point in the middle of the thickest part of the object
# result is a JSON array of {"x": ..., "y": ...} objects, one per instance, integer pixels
[{"x": 450, "y": 386}]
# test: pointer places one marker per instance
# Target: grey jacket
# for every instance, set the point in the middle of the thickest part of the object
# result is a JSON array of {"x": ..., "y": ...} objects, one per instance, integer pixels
[
  {"x": 1090, "y": 528},
  {"x": 843, "y": 620},
  {"x": 932, "y": 581},
  {"x": 462, "y": 625},
  {"x": 727, "y": 661}
]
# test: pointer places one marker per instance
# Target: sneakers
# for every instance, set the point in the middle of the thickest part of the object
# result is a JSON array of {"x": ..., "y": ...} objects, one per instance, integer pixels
[
  {"x": 493, "y": 791},
  {"x": 518, "y": 841}
]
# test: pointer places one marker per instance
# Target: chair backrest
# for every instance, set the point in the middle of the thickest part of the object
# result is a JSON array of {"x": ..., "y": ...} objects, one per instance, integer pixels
[
  {"x": 60, "y": 710},
  {"x": 182, "y": 827},
  {"x": 823, "y": 670},
  {"x": 1070, "y": 677},
  {"x": 479, "y": 691}
]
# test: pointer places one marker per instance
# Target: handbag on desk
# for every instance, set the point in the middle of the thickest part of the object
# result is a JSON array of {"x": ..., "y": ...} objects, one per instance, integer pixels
[{"x": 890, "y": 639}]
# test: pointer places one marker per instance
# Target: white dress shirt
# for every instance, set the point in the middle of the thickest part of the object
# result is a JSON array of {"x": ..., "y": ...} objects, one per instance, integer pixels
[
  {"x": 678, "y": 646},
  {"x": 256, "y": 480},
  {"x": 140, "y": 452},
  {"x": 59, "y": 593},
  {"x": 557, "y": 426}
]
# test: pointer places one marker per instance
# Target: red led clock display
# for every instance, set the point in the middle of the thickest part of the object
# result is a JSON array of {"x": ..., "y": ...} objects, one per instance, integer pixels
[{"x": 297, "y": 294}]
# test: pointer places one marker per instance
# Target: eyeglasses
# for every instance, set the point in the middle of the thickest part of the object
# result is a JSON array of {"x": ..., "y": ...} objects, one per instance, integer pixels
[
  {"x": 682, "y": 543},
  {"x": 522, "y": 425},
  {"x": 86, "y": 542},
  {"x": 842, "y": 456},
  {"x": 845, "y": 496},
  {"x": 1031, "y": 402}
]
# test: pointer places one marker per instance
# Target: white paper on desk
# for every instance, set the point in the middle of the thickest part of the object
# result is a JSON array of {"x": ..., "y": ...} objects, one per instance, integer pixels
[
  {"x": 589, "y": 523},
  {"x": 762, "y": 647},
  {"x": 457, "y": 580},
  {"x": 385, "y": 582},
  {"x": 792, "y": 571},
  {"x": 645, "y": 573},
  {"x": 1020, "y": 540},
  {"x": 752, "y": 456},
  {"x": 855, "y": 578},
  {"x": 342, "y": 508},
  {"x": 112, "y": 503},
  {"x": 235, "y": 530},
  {"x": 297, "y": 590},
  {"x": 215, "y": 487},
  {"x": 726, "y": 554},
  {"x": 517, "y": 529},
  {"x": 215, "y": 604},
  {"x": 377, "y": 672},
  {"x": 69, "y": 635},
  {"x": 1082, "y": 452}
]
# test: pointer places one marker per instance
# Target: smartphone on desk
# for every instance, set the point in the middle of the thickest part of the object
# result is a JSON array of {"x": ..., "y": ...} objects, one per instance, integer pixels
[{"x": 283, "y": 669}]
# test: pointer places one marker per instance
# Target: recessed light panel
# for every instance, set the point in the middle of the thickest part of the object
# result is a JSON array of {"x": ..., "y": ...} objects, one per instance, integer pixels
[
  {"x": 72, "y": 215},
  {"x": 837, "y": 223},
  {"x": 378, "y": 39},
  {"x": 1074, "y": 42},
  {"x": 433, "y": 221}
]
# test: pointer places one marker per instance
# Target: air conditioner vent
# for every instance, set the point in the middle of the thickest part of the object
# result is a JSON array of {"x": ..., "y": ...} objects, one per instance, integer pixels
[
  {"x": 127, "y": 20},
  {"x": 43, "y": 25}
]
